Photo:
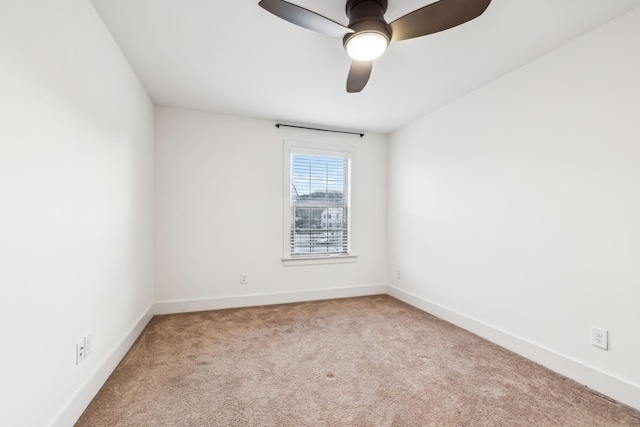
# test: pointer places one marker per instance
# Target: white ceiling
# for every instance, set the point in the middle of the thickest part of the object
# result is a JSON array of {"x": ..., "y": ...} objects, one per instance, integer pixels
[{"x": 233, "y": 57}]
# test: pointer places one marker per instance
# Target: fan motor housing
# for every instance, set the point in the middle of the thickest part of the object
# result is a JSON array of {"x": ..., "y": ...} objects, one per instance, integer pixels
[{"x": 365, "y": 10}]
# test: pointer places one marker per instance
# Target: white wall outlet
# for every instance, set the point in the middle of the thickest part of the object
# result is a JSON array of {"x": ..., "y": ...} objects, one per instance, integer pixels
[
  {"x": 80, "y": 351},
  {"x": 398, "y": 275},
  {"x": 244, "y": 279},
  {"x": 88, "y": 345},
  {"x": 600, "y": 338}
]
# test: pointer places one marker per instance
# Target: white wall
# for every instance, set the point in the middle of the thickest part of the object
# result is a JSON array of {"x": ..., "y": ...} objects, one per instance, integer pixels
[
  {"x": 518, "y": 205},
  {"x": 76, "y": 204},
  {"x": 219, "y": 207}
]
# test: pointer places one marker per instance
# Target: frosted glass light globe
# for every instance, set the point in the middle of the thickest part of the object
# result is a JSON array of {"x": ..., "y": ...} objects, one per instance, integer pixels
[{"x": 366, "y": 46}]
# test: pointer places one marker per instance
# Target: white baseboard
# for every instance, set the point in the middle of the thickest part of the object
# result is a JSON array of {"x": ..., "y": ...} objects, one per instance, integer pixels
[
  {"x": 616, "y": 388},
  {"x": 79, "y": 402},
  {"x": 170, "y": 307}
]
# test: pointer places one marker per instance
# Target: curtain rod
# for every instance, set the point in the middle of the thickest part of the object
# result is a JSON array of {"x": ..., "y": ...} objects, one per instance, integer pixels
[{"x": 322, "y": 130}]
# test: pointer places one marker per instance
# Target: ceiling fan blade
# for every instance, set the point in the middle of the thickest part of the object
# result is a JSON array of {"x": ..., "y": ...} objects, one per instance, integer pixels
[
  {"x": 436, "y": 17},
  {"x": 304, "y": 18},
  {"x": 359, "y": 74}
]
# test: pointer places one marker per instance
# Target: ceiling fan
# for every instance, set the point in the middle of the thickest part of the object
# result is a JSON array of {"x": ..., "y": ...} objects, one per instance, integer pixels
[{"x": 368, "y": 34}]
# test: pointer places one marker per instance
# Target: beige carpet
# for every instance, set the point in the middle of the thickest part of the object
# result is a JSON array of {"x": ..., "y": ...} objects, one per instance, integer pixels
[{"x": 371, "y": 361}]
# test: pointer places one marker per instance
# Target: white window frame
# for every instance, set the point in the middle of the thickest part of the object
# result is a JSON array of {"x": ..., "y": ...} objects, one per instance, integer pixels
[{"x": 330, "y": 150}]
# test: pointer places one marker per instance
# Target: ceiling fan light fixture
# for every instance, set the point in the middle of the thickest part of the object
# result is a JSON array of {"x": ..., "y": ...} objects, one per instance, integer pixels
[
  {"x": 366, "y": 45},
  {"x": 368, "y": 33}
]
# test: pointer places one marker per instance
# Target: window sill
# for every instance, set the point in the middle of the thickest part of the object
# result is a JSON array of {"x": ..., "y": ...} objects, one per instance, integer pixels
[{"x": 328, "y": 259}]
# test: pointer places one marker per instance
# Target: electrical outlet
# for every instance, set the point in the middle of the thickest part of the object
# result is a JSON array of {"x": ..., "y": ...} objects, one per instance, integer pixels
[
  {"x": 398, "y": 275},
  {"x": 80, "y": 351},
  {"x": 88, "y": 345},
  {"x": 600, "y": 338},
  {"x": 244, "y": 279}
]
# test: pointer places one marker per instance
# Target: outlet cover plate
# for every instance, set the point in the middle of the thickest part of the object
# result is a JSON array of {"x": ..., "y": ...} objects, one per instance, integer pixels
[{"x": 600, "y": 338}]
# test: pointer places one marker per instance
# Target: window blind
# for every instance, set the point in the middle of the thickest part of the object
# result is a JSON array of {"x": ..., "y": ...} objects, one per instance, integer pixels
[{"x": 320, "y": 205}]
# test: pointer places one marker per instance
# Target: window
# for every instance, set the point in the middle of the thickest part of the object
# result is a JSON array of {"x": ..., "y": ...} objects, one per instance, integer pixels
[{"x": 318, "y": 203}]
